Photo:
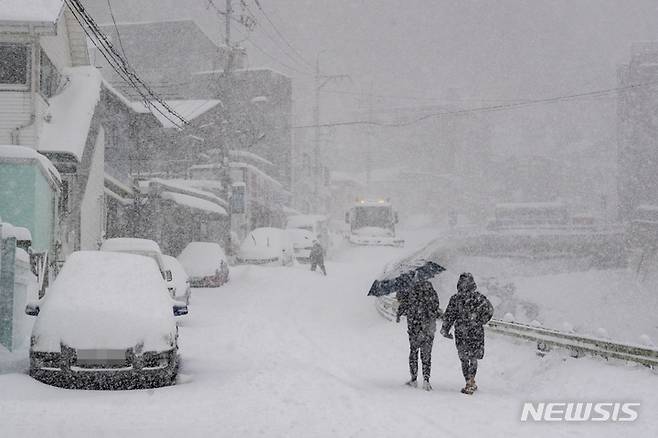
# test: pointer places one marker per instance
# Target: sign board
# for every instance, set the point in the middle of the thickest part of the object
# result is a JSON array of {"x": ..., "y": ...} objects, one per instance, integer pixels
[{"x": 238, "y": 199}]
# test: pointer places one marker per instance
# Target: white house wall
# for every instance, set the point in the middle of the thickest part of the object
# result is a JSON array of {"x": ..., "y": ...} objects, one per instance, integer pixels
[
  {"x": 92, "y": 217},
  {"x": 15, "y": 111}
]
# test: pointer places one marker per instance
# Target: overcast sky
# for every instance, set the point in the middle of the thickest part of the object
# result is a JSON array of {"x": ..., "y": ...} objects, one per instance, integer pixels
[
  {"x": 491, "y": 49},
  {"x": 487, "y": 50}
]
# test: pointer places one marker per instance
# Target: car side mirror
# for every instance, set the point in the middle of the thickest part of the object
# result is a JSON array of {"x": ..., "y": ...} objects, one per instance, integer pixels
[
  {"x": 168, "y": 275},
  {"x": 180, "y": 309},
  {"x": 32, "y": 309}
]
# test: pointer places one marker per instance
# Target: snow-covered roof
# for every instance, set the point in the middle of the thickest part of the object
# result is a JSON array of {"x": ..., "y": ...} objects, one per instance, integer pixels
[
  {"x": 194, "y": 202},
  {"x": 40, "y": 11},
  {"x": 71, "y": 111},
  {"x": 250, "y": 156},
  {"x": 189, "y": 187},
  {"x": 188, "y": 109},
  {"x": 530, "y": 205},
  {"x": 256, "y": 170},
  {"x": 23, "y": 153},
  {"x": 648, "y": 207},
  {"x": 20, "y": 233}
]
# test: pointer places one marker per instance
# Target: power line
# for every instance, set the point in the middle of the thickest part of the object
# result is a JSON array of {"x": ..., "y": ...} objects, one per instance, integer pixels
[
  {"x": 274, "y": 58},
  {"x": 118, "y": 63},
  {"x": 247, "y": 37},
  {"x": 492, "y": 108},
  {"x": 280, "y": 34},
  {"x": 123, "y": 70},
  {"x": 116, "y": 28},
  {"x": 273, "y": 39}
]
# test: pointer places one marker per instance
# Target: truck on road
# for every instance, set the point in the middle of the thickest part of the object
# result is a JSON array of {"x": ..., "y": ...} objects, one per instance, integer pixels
[{"x": 372, "y": 222}]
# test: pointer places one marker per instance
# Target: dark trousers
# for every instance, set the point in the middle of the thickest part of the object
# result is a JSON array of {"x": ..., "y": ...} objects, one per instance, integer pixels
[
  {"x": 420, "y": 342},
  {"x": 469, "y": 368},
  {"x": 321, "y": 265}
]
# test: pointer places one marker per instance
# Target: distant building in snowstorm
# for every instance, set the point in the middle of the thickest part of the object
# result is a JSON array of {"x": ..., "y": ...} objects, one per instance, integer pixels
[
  {"x": 164, "y": 54},
  {"x": 637, "y": 129},
  {"x": 182, "y": 64}
]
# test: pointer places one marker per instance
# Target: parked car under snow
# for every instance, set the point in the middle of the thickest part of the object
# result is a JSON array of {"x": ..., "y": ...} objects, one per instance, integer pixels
[
  {"x": 105, "y": 323},
  {"x": 143, "y": 247},
  {"x": 302, "y": 243},
  {"x": 205, "y": 264},
  {"x": 181, "y": 279},
  {"x": 266, "y": 246}
]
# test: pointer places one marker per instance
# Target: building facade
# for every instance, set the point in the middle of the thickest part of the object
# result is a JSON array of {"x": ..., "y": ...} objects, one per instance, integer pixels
[{"x": 637, "y": 130}]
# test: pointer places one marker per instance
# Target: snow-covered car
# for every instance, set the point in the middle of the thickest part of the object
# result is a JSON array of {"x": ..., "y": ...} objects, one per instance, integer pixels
[
  {"x": 181, "y": 279},
  {"x": 205, "y": 264},
  {"x": 143, "y": 247},
  {"x": 105, "y": 323},
  {"x": 302, "y": 243},
  {"x": 266, "y": 246},
  {"x": 316, "y": 224}
]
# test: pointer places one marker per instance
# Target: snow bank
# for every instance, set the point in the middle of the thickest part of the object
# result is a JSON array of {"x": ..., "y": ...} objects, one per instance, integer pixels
[{"x": 104, "y": 300}]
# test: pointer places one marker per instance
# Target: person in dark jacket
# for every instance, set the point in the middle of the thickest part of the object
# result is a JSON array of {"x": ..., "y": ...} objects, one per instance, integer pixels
[
  {"x": 420, "y": 305},
  {"x": 317, "y": 257},
  {"x": 468, "y": 310}
]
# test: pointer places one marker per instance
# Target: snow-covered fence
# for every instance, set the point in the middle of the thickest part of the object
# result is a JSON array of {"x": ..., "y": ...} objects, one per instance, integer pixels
[
  {"x": 578, "y": 345},
  {"x": 548, "y": 338}
]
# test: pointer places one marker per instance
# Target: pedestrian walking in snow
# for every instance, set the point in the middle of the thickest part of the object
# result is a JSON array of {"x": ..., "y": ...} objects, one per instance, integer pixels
[
  {"x": 317, "y": 257},
  {"x": 468, "y": 310},
  {"x": 420, "y": 305}
]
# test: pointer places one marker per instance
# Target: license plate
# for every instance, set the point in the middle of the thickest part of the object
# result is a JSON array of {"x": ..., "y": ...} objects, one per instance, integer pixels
[{"x": 101, "y": 354}]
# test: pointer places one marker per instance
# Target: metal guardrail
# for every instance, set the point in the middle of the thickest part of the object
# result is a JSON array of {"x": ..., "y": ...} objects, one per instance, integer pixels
[{"x": 546, "y": 339}]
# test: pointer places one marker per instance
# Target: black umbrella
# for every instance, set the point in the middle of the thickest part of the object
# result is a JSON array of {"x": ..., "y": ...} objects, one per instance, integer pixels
[{"x": 404, "y": 279}]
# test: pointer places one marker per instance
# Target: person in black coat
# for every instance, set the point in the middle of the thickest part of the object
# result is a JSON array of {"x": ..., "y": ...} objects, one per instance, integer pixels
[
  {"x": 317, "y": 257},
  {"x": 468, "y": 310},
  {"x": 420, "y": 304}
]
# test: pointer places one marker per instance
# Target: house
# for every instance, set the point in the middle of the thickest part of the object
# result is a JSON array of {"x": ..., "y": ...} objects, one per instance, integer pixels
[
  {"x": 150, "y": 47},
  {"x": 53, "y": 101},
  {"x": 175, "y": 212}
]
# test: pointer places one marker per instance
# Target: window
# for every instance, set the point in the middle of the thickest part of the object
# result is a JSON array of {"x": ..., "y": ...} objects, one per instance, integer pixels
[
  {"x": 48, "y": 76},
  {"x": 14, "y": 65}
]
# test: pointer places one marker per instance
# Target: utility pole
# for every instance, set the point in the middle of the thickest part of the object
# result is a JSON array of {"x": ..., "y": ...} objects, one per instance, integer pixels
[
  {"x": 226, "y": 150},
  {"x": 320, "y": 81},
  {"x": 227, "y": 33},
  {"x": 369, "y": 142}
]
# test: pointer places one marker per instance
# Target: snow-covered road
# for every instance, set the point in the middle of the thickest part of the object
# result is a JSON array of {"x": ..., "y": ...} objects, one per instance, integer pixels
[{"x": 286, "y": 352}]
